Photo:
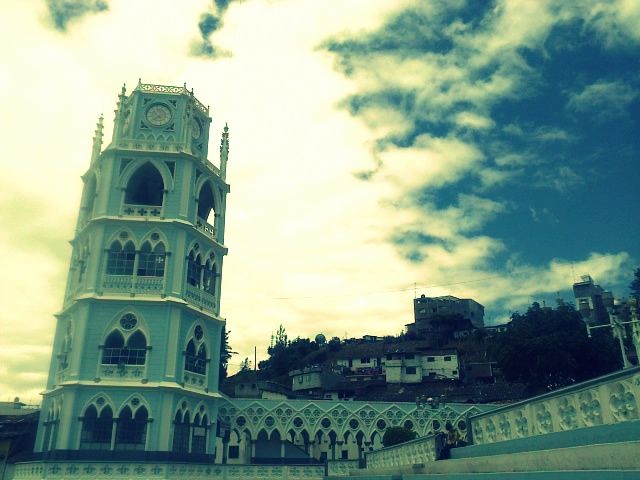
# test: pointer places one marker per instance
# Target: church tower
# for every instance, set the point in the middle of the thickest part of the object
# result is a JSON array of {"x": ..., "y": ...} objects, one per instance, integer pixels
[{"x": 136, "y": 353}]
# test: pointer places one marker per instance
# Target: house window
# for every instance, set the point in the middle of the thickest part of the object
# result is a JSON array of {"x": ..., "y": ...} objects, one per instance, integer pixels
[
  {"x": 301, "y": 379},
  {"x": 447, "y": 359},
  {"x": 410, "y": 370},
  {"x": 454, "y": 372},
  {"x": 389, "y": 356},
  {"x": 431, "y": 359},
  {"x": 345, "y": 455},
  {"x": 234, "y": 451},
  {"x": 409, "y": 356},
  {"x": 365, "y": 360}
]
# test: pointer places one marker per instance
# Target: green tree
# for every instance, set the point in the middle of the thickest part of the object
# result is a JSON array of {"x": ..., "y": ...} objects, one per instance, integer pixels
[
  {"x": 245, "y": 365},
  {"x": 225, "y": 353},
  {"x": 549, "y": 348},
  {"x": 396, "y": 435}
]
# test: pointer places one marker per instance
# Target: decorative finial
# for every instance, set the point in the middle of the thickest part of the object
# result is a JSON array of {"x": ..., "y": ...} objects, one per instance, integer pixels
[
  {"x": 139, "y": 81},
  {"x": 124, "y": 89},
  {"x": 97, "y": 139},
  {"x": 224, "y": 151}
]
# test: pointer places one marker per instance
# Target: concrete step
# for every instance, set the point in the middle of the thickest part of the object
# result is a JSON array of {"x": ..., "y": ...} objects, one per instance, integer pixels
[
  {"x": 557, "y": 475},
  {"x": 613, "y": 457}
]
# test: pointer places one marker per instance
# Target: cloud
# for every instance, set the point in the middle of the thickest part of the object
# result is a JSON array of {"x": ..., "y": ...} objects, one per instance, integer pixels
[
  {"x": 62, "y": 12},
  {"x": 603, "y": 100},
  {"x": 208, "y": 24}
]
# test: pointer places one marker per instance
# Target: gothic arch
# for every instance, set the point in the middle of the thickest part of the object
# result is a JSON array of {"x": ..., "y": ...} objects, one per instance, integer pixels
[
  {"x": 148, "y": 237},
  {"x": 207, "y": 205},
  {"x": 161, "y": 167},
  {"x": 141, "y": 325}
]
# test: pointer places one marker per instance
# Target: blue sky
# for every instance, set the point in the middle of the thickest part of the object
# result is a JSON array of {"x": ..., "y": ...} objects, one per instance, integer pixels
[{"x": 479, "y": 149}]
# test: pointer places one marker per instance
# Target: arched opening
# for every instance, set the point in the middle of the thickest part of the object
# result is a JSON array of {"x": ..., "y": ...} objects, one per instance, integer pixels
[
  {"x": 120, "y": 259},
  {"x": 181, "y": 429},
  {"x": 206, "y": 205},
  {"x": 145, "y": 187},
  {"x": 194, "y": 267},
  {"x": 131, "y": 433},
  {"x": 151, "y": 261},
  {"x": 96, "y": 430},
  {"x": 199, "y": 434},
  {"x": 209, "y": 277},
  {"x": 195, "y": 362}
]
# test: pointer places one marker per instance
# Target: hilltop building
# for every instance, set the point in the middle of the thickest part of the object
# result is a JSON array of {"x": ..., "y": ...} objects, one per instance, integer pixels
[
  {"x": 592, "y": 301},
  {"x": 437, "y": 319}
]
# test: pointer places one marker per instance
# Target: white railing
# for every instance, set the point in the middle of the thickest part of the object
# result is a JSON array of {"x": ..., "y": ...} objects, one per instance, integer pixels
[
  {"x": 149, "y": 211},
  {"x": 421, "y": 450},
  {"x": 199, "y": 297},
  {"x": 195, "y": 380},
  {"x": 149, "y": 285},
  {"x": 611, "y": 399},
  {"x": 206, "y": 228},
  {"x": 342, "y": 468},
  {"x": 121, "y": 372},
  {"x": 154, "y": 470},
  {"x": 117, "y": 283}
]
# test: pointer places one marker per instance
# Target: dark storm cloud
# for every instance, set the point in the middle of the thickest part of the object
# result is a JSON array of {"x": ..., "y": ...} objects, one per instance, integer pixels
[{"x": 61, "y": 12}]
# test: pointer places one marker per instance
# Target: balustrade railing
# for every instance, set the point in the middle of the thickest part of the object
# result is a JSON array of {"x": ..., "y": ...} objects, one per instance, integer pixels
[
  {"x": 611, "y": 399},
  {"x": 195, "y": 380},
  {"x": 129, "y": 284},
  {"x": 117, "y": 283},
  {"x": 121, "y": 372},
  {"x": 421, "y": 450},
  {"x": 199, "y": 297},
  {"x": 206, "y": 228},
  {"x": 342, "y": 468},
  {"x": 149, "y": 285},
  {"x": 160, "y": 470},
  {"x": 148, "y": 211}
]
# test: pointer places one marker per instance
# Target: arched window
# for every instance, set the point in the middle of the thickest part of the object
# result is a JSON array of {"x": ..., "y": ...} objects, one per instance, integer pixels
[
  {"x": 181, "y": 430},
  {"x": 206, "y": 206},
  {"x": 120, "y": 259},
  {"x": 145, "y": 187},
  {"x": 194, "y": 267},
  {"x": 195, "y": 362},
  {"x": 209, "y": 277},
  {"x": 112, "y": 350},
  {"x": 131, "y": 433},
  {"x": 151, "y": 261},
  {"x": 96, "y": 429},
  {"x": 115, "y": 352},
  {"x": 199, "y": 434}
]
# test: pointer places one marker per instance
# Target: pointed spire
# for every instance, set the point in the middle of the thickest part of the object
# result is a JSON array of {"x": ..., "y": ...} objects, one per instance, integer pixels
[
  {"x": 224, "y": 151},
  {"x": 97, "y": 139}
]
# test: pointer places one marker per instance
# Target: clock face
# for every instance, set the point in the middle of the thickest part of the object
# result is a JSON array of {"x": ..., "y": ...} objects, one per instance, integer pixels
[
  {"x": 196, "y": 129},
  {"x": 158, "y": 114}
]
